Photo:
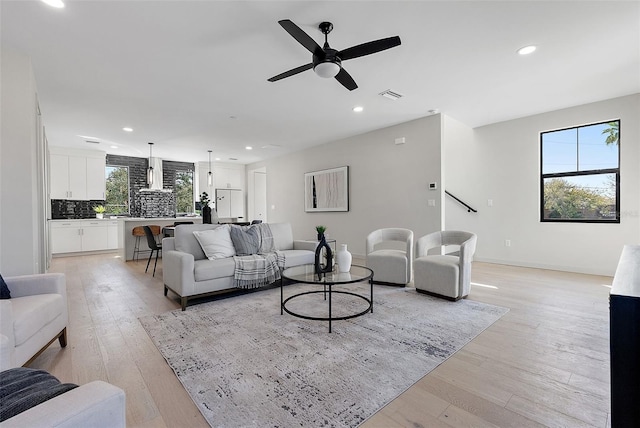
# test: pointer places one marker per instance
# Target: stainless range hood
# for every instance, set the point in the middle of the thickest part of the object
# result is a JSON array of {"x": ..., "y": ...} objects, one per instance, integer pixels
[{"x": 156, "y": 185}]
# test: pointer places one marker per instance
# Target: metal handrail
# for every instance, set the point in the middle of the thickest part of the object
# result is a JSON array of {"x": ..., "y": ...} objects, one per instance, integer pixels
[{"x": 469, "y": 209}]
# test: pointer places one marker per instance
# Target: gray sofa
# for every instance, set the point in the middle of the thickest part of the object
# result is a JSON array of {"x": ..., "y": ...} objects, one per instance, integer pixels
[{"x": 188, "y": 273}]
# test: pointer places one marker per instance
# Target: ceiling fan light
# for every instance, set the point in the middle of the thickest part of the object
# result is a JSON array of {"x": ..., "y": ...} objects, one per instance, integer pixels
[{"x": 327, "y": 69}]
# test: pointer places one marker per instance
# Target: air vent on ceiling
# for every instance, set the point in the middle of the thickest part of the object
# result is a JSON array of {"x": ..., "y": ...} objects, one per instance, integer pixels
[
  {"x": 271, "y": 146},
  {"x": 91, "y": 142},
  {"x": 392, "y": 95}
]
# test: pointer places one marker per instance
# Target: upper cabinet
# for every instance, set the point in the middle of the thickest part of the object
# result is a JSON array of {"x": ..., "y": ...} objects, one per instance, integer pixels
[
  {"x": 228, "y": 177},
  {"x": 77, "y": 174}
]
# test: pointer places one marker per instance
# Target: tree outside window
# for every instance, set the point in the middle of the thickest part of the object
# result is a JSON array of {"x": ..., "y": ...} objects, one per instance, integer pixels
[
  {"x": 117, "y": 189},
  {"x": 580, "y": 174},
  {"x": 184, "y": 192}
]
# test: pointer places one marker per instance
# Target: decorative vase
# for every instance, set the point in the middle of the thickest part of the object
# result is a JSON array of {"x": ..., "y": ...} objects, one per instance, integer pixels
[
  {"x": 322, "y": 268},
  {"x": 321, "y": 236},
  {"x": 343, "y": 258},
  {"x": 99, "y": 215},
  {"x": 206, "y": 215}
]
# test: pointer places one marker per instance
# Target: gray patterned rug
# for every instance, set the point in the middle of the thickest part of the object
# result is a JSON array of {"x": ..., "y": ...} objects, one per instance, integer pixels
[{"x": 245, "y": 365}]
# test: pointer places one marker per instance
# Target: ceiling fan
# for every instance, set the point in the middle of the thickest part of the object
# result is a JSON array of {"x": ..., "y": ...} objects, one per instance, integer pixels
[{"x": 327, "y": 62}]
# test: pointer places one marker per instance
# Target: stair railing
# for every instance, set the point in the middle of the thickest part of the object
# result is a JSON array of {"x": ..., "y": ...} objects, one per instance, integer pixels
[{"x": 469, "y": 209}]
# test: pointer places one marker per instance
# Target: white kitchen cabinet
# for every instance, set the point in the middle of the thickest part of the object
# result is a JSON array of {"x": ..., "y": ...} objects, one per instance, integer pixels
[
  {"x": 76, "y": 236},
  {"x": 228, "y": 178},
  {"x": 112, "y": 234},
  {"x": 96, "y": 180},
  {"x": 230, "y": 203},
  {"x": 77, "y": 176}
]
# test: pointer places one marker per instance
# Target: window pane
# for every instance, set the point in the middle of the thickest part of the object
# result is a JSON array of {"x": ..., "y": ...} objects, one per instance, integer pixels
[
  {"x": 184, "y": 192},
  {"x": 598, "y": 146},
  {"x": 117, "y": 189},
  {"x": 559, "y": 151},
  {"x": 588, "y": 197}
]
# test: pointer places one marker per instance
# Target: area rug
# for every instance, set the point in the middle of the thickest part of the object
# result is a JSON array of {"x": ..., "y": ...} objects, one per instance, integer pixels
[{"x": 245, "y": 365}]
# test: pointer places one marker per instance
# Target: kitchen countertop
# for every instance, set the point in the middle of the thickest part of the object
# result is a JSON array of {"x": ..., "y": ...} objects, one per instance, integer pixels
[{"x": 145, "y": 219}]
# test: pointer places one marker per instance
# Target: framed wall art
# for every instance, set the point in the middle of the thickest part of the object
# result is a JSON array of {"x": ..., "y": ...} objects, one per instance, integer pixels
[{"x": 327, "y": 190}]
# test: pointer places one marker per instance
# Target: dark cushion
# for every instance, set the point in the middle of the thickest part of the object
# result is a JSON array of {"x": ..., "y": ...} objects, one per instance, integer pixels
[
  {"x": 245, "y": 240},
  {"x": 4, "y": 290},
  {"x": 22, "y": 388}
]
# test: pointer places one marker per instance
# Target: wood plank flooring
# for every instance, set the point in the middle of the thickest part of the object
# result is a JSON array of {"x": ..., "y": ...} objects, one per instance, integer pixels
[{"x": 545, "y": 363}]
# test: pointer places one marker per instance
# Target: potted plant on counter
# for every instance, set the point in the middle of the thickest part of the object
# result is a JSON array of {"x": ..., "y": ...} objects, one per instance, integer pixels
[
  {"x": 206, "y": 209},
  {"x": 321, "y": 230},
  {"x": 100, "y": 209}
]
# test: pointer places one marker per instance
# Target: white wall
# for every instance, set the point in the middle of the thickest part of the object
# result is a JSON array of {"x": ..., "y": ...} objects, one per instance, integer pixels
[
  {"x": 388, "y": 183},
  {"x": 22, "y": 212},
  {"x": 501, "y": 162}
]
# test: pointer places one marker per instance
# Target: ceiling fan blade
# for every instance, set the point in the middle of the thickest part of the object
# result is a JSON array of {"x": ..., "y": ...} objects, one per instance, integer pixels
[
  {"x": 369, "y": 48},
  {"x": 292, "y": 72},
  {"x": 303, "y": 38},
  {"x": 346, "y": 80}
]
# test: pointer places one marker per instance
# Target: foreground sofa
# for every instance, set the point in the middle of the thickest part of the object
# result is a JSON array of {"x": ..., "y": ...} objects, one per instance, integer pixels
[
  {"x": 188, "y": 273},
  {"x": 33, "y": 318},
  {"x": 96, "y": 404}
]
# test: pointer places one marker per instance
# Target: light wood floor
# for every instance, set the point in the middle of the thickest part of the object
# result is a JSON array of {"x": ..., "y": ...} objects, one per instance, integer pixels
[{"x": 545, "y": 363}]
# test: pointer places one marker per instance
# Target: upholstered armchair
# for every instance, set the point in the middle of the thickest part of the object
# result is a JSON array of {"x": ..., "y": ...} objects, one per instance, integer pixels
[
  {"x": 447, "y": 276},
  {"x": 33, "y": 318},
  {"x": 389, "y": 253}
]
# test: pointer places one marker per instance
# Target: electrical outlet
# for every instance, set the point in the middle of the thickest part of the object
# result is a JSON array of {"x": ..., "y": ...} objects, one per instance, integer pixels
[
  {"x": 431, "y": 202},
  {"x": 507, "y": 242},
  {"x": 489, "y": 202}
]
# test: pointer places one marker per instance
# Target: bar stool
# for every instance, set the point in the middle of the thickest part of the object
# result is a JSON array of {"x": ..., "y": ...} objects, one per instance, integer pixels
[{"x": 138, "y": 232}]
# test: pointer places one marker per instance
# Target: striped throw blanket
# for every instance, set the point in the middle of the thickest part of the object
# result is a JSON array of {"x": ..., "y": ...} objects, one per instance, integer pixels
[{"x": 257, "y": 270}]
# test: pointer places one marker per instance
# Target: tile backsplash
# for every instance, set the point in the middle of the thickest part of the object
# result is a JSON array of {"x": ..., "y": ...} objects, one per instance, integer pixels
[{"x": 63, "y": 209}]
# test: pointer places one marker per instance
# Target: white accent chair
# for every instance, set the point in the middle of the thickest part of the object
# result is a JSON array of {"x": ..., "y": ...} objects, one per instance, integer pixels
[
  {"x": 447, "y": 276},
  {"x": 33, "y": 318},
  {"x": 390, "y": 264}
]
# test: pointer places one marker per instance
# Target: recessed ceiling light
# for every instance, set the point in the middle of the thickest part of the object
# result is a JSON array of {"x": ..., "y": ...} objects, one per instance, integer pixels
[
  {"x": 358, "y": 109},
  {"x": 249, "y": 148},
  {"x": 54, "y": 3},
  {"x": 114, "y": 147},
  {"x": 217, "y": 158},
  {"x": 526, "y": 50},
  {"x": 127, "y": 129}
]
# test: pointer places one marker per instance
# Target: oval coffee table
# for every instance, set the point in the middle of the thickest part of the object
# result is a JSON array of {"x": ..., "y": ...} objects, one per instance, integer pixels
[{"x": 305, "y": 274}]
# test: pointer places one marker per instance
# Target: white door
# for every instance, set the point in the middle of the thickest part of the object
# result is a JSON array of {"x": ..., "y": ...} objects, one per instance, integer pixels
[{"x": 259, "y": 196}]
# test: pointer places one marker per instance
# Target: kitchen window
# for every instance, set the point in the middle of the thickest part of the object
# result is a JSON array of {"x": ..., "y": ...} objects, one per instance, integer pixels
[
  {"x": 580, "y": 174},
  {"x": 184, "y": 192},
  {"x": 117, "y": 189}
]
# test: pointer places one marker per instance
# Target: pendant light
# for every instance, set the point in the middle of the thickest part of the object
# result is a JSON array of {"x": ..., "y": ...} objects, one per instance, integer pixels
[
  {"x": 150, "y": 169},
  {"x": 210, "y": 176}
]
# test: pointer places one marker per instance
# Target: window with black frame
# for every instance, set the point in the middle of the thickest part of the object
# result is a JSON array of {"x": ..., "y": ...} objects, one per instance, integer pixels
[
  {"x": 117, "y": 189},
  {"x": 580, "y": 174},
  {"x": 184, "y": 192}
]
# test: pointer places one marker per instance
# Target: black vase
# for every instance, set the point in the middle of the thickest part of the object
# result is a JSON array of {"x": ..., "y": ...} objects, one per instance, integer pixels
[
  {"x": 322, "y": 268},
  {"x": 206, "y": 215}
]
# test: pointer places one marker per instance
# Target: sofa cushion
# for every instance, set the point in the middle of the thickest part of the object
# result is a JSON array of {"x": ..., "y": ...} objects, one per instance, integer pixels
[
  {"x": 282, "y": 236},
  {"x": 23, "y": 388},
  {"x": 205, "y": 270},
  {"x": 298, "y": 257},
  {"x": 216, "y": 243},
  {"x": 246, "y": 241},
  {"x": 185, "y": 240},
  {"x": 31, "y": 313}
]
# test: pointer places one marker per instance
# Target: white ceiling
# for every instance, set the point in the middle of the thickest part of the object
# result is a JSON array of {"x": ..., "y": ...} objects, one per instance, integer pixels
[{"x": 192, "y": 75}]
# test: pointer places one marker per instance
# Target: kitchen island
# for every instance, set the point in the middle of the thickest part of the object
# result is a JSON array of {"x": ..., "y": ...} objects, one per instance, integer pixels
[{"x": 126, "y": 240}]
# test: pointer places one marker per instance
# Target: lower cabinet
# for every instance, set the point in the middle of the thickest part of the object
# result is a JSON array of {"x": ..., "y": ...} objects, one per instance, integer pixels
[{"x": 77, "y": 236}]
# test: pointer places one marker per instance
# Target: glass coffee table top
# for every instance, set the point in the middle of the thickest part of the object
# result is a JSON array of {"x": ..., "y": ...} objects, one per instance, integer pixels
[{"x": 306, "y": 274}]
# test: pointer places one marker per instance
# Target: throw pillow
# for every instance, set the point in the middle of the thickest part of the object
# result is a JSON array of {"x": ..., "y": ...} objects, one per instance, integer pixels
[
  {"x": 216, "y": 243},
  {"x": 4, "y": 290},
  {"x": 245, "y": 241}
]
